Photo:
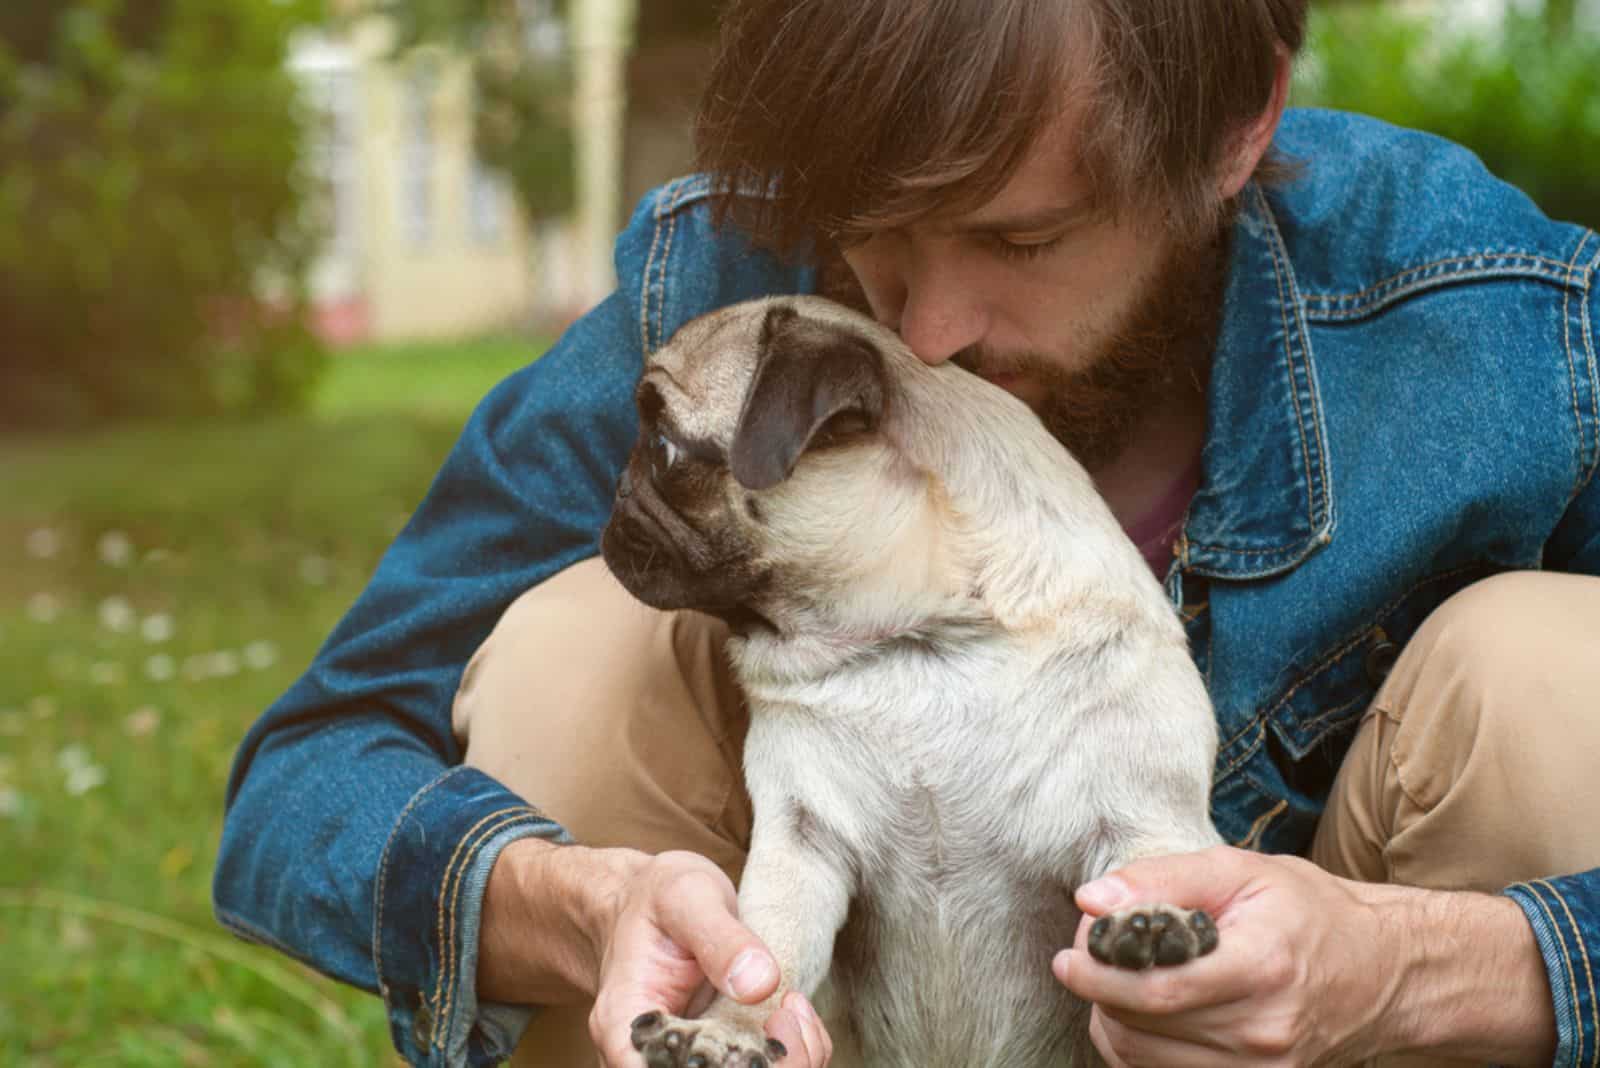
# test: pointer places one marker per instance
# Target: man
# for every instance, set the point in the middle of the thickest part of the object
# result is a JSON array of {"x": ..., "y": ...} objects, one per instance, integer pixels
[{"x": 1333, "y": 377}]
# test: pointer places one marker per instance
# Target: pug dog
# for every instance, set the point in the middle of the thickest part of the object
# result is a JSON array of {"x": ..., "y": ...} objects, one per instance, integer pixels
[{"x": 968, "y": 694}]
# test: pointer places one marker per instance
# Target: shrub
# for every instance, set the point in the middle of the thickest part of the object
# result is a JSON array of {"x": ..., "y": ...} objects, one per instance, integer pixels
[
  {"x": 150, "y": 184},
  {"x": 1524, "y": 93}
]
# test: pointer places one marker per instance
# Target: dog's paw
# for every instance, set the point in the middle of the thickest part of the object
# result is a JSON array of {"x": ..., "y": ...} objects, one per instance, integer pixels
[
  {"x": 670, "y": 1042},
  {"x": 1151, "y": 934}
]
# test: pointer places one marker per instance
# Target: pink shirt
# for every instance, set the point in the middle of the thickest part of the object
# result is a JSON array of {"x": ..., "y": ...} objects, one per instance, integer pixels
[{"x": 1157, "y": 530}]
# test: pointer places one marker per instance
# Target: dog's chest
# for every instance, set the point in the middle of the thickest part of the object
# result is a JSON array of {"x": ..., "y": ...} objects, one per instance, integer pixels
[{"x": 945, "y": 957}]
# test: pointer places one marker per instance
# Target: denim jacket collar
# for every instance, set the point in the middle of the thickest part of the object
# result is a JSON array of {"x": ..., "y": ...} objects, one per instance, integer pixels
[{"x": 1265, "y": 501}]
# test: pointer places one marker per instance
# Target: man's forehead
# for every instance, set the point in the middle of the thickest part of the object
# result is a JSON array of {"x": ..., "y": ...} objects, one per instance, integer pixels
[{"x": 1047, "y": 189}]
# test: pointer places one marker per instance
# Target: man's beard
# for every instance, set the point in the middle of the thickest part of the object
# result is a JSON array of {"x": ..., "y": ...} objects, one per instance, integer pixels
[{"x": 1160, "y": 353}]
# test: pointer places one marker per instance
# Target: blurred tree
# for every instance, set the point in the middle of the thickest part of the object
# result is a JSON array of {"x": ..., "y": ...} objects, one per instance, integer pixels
[
  {"x": 1520, "y": 93},
  {"x": 522, "y": 75},
  {"x": 149, "y": 185}
]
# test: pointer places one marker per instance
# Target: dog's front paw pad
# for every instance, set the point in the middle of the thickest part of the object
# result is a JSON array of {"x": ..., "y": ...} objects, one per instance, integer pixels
[
  {"x": 670, "y": 1042},
  {"x": 1151, "y": 934}
]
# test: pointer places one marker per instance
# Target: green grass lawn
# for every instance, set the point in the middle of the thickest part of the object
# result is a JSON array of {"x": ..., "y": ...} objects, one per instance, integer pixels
[{"x": 159, "y": 587}]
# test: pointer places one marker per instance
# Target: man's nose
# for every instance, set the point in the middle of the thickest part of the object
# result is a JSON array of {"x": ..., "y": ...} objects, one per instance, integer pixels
[
  {"x": 920, "y": 297},
  {"x": 940, "y": 316}
]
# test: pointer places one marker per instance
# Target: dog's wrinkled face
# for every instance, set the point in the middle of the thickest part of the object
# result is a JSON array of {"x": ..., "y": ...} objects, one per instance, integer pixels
[{"x": 739, "y": 416}]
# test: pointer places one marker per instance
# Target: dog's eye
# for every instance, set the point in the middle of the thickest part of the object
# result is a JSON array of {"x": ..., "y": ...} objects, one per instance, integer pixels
[{"x": 668, "y": 452}]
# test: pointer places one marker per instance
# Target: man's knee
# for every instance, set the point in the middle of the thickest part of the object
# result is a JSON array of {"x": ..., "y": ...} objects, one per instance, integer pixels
[
  {"x": 1471, "y": 770},
  {"x": 1504, "y": 659},
  {"x": 619, "y": 721}
]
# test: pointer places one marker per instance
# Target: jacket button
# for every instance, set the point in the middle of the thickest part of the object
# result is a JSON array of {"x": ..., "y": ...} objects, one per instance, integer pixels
[
  {"x": 422, "y": 1026},
  {"x": 1380, "y": 660}
]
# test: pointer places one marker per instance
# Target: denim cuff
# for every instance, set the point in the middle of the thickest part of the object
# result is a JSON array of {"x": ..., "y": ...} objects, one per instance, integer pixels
[
  {"x": 431, "y": 882},
  {"x": 1565, "y": 915}
]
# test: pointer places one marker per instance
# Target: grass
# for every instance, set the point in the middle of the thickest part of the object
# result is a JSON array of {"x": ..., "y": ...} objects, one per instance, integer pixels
[{"x": 159, "y": 587}]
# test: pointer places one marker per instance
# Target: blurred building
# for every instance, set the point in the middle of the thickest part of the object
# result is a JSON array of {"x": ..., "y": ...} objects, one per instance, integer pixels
[{"x": 421, "y": 241}]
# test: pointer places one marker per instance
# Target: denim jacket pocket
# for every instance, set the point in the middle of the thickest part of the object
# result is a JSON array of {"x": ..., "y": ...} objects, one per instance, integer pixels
[{"x": 1300, "y": 737}]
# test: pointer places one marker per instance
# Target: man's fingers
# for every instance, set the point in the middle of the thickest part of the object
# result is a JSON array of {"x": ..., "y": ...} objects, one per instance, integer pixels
[
  {"x": 1208, "y": 880},
  {"x": 1202, "y": 983},
  {"x": 696, "y": 909},
  {"x": 1124, "y": 1047},
  {"x": 798, "y": 1027}
]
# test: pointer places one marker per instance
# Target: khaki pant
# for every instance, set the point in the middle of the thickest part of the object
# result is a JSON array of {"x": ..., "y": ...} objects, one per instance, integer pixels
[{"x": 1471, "y": 770}]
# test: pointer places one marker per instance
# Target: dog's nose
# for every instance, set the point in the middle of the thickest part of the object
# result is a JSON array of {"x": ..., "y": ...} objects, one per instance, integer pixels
[{"x": 624, "y": 486}]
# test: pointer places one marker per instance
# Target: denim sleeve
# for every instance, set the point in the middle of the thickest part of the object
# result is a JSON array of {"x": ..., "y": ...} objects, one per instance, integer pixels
[
  {"x": 1565, "y": 915},
  {"x": 354, "y": 840},
  {"x": 1565, "y": 912}
]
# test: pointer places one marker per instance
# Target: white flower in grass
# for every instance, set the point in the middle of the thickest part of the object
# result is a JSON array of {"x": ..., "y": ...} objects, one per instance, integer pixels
[
  {"x": 82, "y": 773},
  {"x": 42, "y": 707},
  {"x": 159, "y": 556},
  {"x": 81, "y": 780},
  {"x": 141, "y": 722},
  {"x": 115, "y": 548},
  {"x": 160, "y": 668},
  {"x": 218, "y": 665},
  {"x": 43, "y": 543},
  {"x": 44, "y": 608},
  {"x": 157, "y": 628},
  {"x": 10, "y": 802},
  {"x": 116, "y": 614},
  {"x": 259, "y": 656},
  {"x": 106, "y": 673},
  {"x": 315, "y": 570}
]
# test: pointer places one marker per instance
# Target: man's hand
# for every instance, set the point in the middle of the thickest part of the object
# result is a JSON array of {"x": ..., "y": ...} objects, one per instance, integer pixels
[
  {"x": 638, "y": 934},
  {"x": 1314, "y": 970}
]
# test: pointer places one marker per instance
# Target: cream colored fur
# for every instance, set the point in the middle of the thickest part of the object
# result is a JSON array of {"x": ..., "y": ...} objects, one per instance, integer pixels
[{"x": 976, "y": 697}]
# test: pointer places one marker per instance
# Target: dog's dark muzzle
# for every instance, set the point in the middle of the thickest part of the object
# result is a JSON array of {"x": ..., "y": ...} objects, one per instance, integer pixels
[{"x": 661, "y": 558}]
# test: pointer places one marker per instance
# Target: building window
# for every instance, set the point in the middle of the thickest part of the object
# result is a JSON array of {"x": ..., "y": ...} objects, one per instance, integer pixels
[
  {"x": 486, "y": 205},
  {"x": 416, "y": 181}
]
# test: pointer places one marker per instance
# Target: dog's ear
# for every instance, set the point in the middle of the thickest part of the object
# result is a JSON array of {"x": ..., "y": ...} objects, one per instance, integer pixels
[{"x": 808, "y": 372}]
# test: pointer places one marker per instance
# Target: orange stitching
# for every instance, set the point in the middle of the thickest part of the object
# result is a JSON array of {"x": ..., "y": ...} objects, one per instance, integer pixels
[
  {"x": 441, "y": 1018},
  {"x": 383, "y": 869},
  {"x": 644, "y": 289},
  {"x": 1260, "y": 718},
  {"x": 1250, "y": 840},
  {"x": 666, "y": 205},
  {"x": 1288, "y": 354},
  {"x": 1572, "y": 979},
  {"x": 1566, "y": 341},
  {"x": 666, "y": 260},
  {"x": 1294, "y": 393},
  {"x": 444, "y": 880},
  {"x": 1594, "y": 1004},
  {"x": 1397, "y": 279}
]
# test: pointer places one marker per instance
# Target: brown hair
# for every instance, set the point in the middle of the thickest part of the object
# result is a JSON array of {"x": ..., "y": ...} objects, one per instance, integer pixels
[{"x": 865, "y": 114}]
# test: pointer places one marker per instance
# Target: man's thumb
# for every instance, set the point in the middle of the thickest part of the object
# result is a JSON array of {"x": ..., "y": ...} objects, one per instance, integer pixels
[
  {"x": 700, "y": 918},
  {"x": 1187, "y": 880}
]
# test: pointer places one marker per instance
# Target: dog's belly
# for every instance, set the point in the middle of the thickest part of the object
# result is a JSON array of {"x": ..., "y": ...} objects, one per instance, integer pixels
[{"x": 945, "y": 968}]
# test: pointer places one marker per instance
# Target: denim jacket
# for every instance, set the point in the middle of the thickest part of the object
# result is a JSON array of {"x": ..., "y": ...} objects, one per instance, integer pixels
[{"x": 1405, "y": 400}]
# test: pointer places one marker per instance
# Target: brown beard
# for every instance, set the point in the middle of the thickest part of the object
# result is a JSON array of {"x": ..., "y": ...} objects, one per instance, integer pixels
[{"x": 1159, "y": 354}]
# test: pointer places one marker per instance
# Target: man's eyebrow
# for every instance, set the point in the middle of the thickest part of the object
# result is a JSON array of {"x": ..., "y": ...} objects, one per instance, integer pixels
[{"x": 1038, "y": 221}]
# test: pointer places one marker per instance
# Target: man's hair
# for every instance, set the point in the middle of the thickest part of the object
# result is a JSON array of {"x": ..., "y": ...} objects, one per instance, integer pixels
[{"x": 865, "y": 114}]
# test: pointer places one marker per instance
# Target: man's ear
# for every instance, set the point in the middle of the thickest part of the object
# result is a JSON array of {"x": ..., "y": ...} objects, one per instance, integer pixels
[
  {"x": 1248, "y": 146},
  {"x": 807, "y": 373}
]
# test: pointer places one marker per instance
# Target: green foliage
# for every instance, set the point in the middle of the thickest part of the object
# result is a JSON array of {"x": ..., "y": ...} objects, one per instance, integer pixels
[
  {"x": 160, "y": 585},
  {"x": 1523, "y": 94},
  {"x": 150, "y": 183},
  {"x": 524, "y": 91}
]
